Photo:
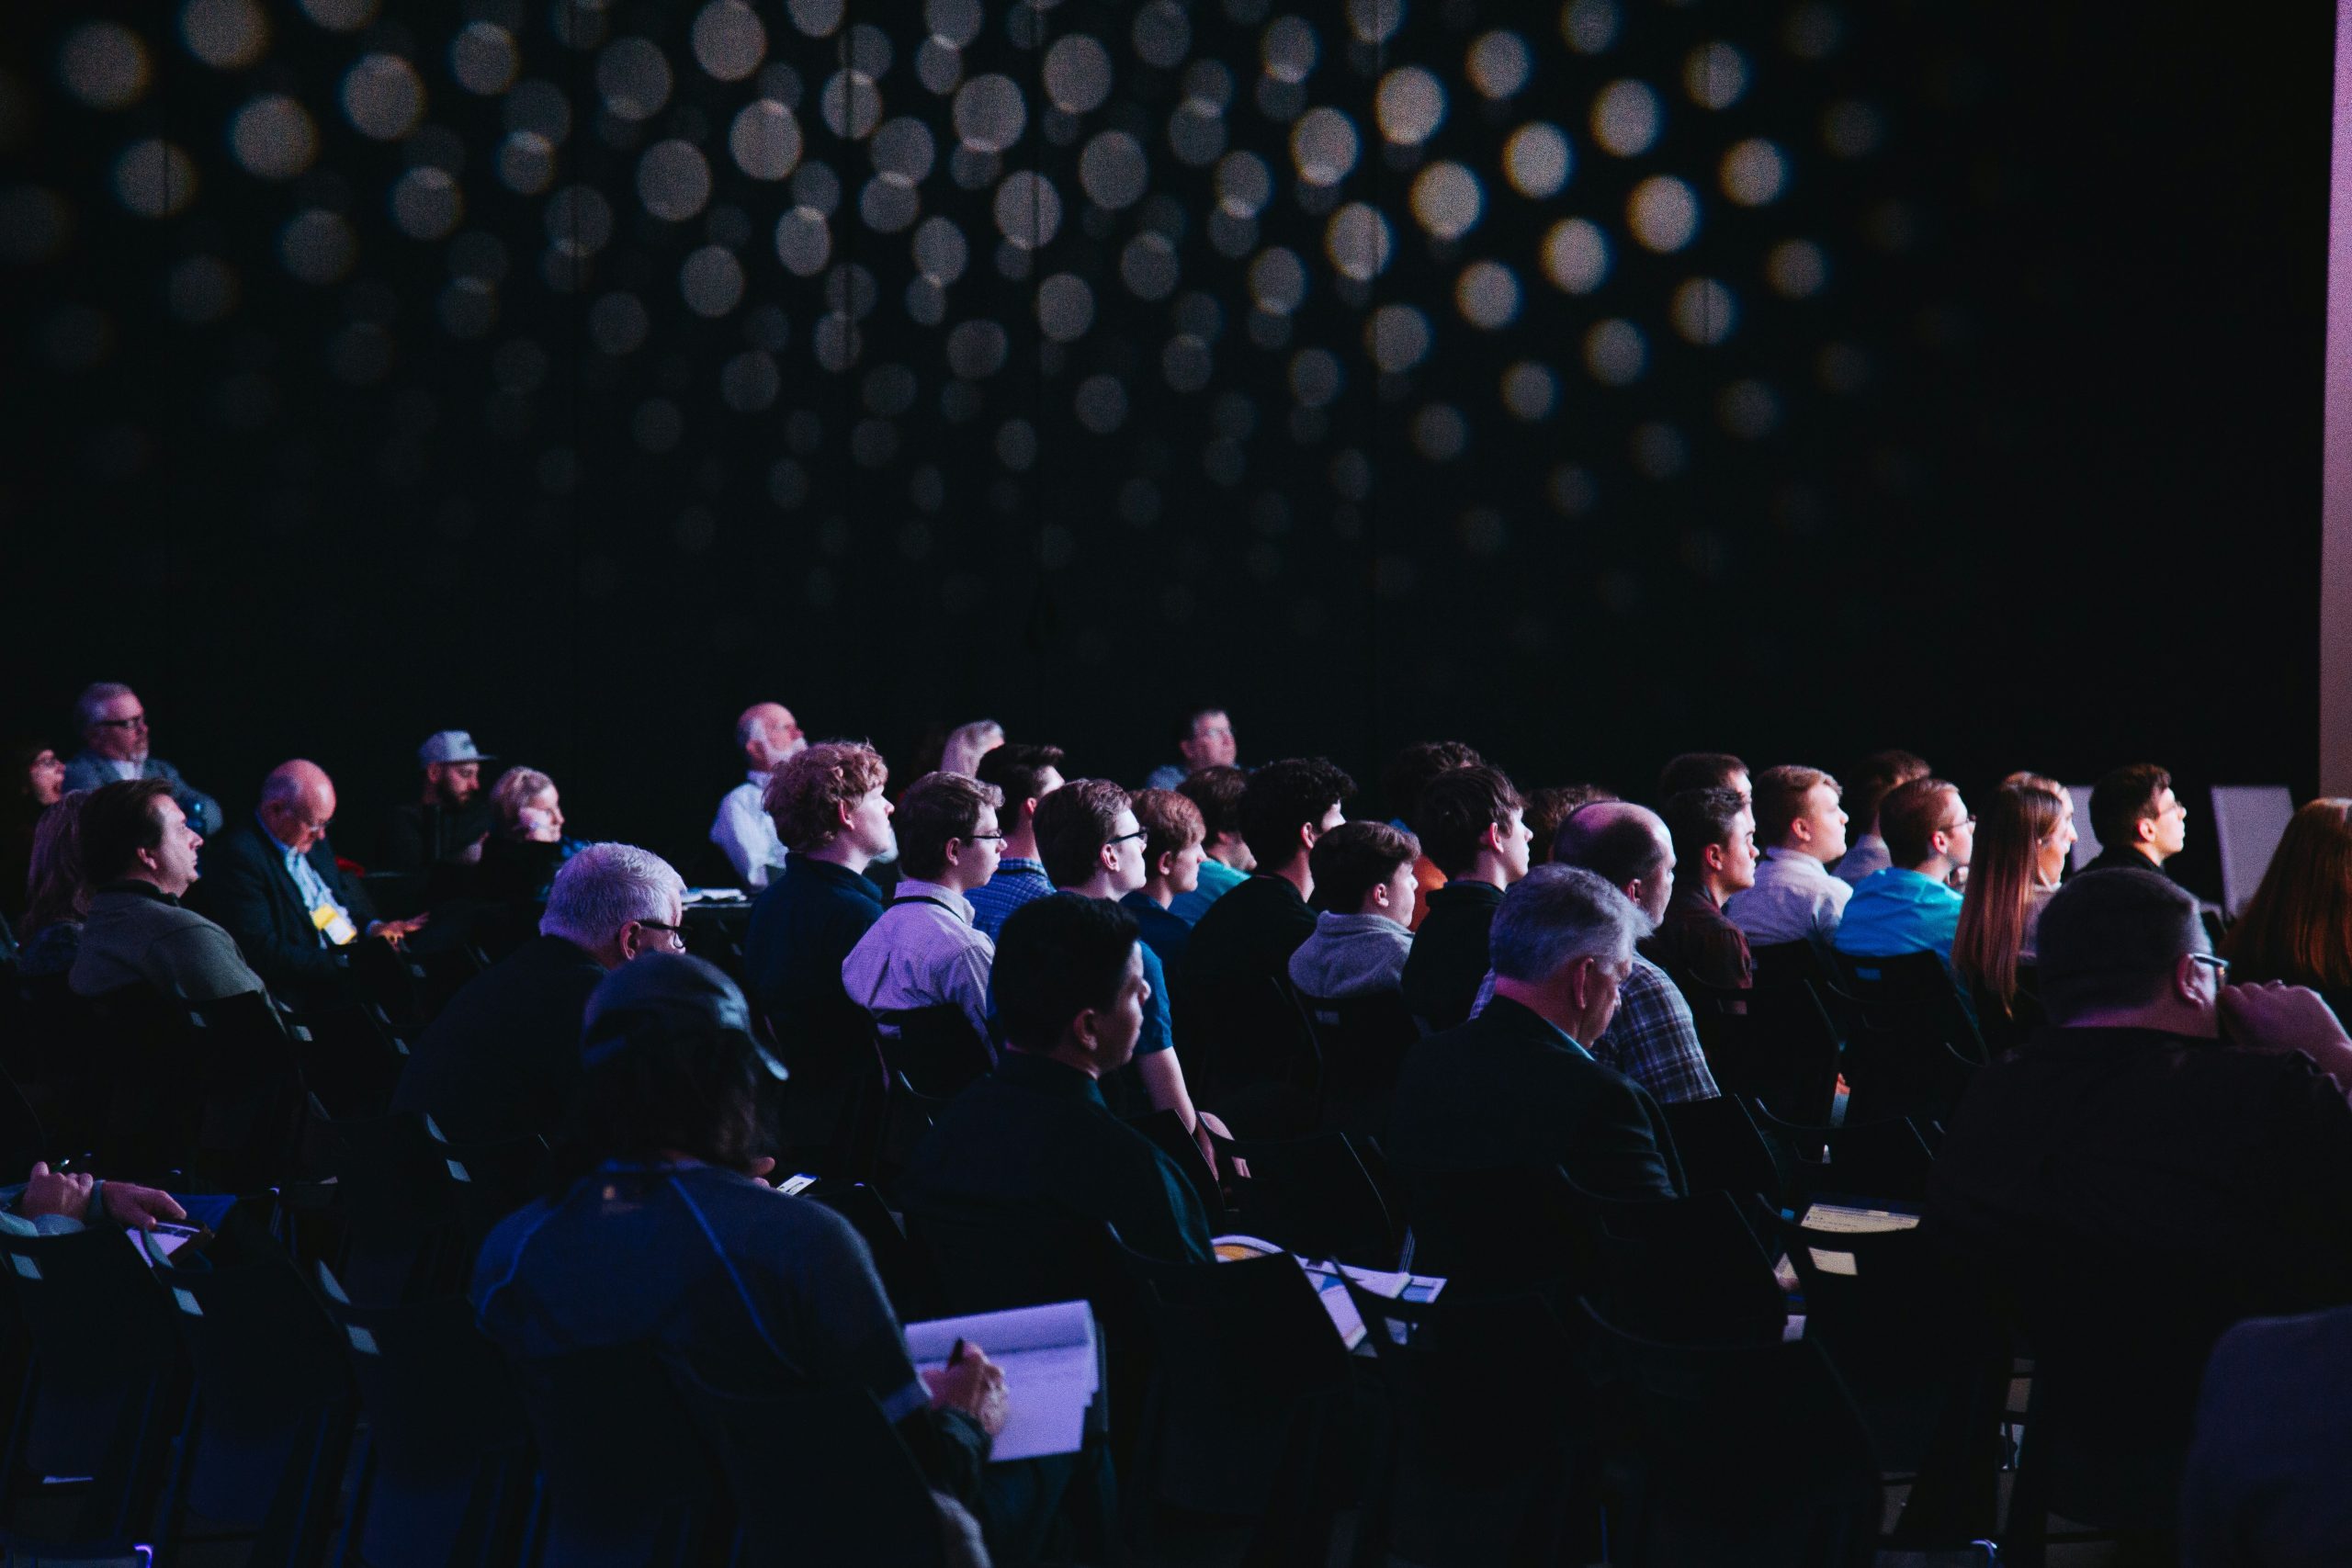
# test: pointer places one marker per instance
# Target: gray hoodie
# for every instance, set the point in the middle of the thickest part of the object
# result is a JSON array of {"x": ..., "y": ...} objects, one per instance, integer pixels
[{"x": 1350, "y": 955}]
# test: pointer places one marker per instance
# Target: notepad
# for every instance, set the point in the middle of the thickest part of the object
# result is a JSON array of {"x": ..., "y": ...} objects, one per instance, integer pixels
[
  {"x": 1329, "y": 1286},
  {"x": 1839, "y": 1220},
  {"x": 1053, "y": 1369}
]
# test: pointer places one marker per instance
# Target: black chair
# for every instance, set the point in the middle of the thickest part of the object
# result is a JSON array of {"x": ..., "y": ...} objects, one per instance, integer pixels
[
  {"x": 1690, "y": 1270},
  {"x": 906, "y": 1277},
  {"x": 1502, "y": 1230},
  {"x": 393, "y": 981},
  {"x": 1917, "y": 991},
  {"x": 350, "y": 1057},
  {"x": 1166, "y": 1131},
  {"x": 1887, "y": 1161},
  {"x": 1255, "y": 1053},
  {"x": 1782, "y": 1048},
  {"x": 416, "y": 1207},
  {"x": 1313, "y": 1196},
  {"x": 249, "y": 1097},
  {"x": 1720, "y": 1149},
  {"x": 1362, "y": 1042},
  {"x": 1899, "y": 1065},
  {"x": 933, "y": 1048},
  {"x": 907, "y": 1114},
  {"x": 611, "y": 1494}
]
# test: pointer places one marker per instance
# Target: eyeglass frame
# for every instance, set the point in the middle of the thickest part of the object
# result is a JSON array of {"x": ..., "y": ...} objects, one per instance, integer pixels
[
  {"x": 677, "y": 933},
  {"x": 136, "y": 721}
]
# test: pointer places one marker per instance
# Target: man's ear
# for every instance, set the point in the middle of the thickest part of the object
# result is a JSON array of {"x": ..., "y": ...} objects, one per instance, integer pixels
[
  {"x": 1164, "y": 864},
  {"x": 2143, "y": 830},
  {"x": 1714, "y": 855}
]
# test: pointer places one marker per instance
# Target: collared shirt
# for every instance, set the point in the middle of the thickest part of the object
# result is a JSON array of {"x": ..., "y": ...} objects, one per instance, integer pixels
[
  {"x": 1897, "y": 912},
  {"x": 311, "y": 887},
  {"x": 924, "y": 952},
  {"x": 124, "y": 770},
  {"x": 1350, "y": 955},
  {"x": 1168, "y": 775},
  {"x": 744, "y": 829},
  {"x": 1794, "y": 899},
  {"x": 1866, "y": 856},
  {"x": 1693, "y": 939},
  {"x": 1018, "y": 880},
  {"x": 1653, "y": 1040},
  {"x": 1218, "y": 879}
]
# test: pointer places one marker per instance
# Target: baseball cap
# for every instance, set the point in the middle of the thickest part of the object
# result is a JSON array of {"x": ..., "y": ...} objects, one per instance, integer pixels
[{"x": 450, "y": 746}]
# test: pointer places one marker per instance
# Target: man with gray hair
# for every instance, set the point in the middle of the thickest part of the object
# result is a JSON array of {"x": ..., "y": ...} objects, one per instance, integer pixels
[
  {"x": 1517, "y": 1089},
  {"x": 113, "y": 723},
  {"x": 767, "y": 735},
  {"x": 502, "y": 1059}
]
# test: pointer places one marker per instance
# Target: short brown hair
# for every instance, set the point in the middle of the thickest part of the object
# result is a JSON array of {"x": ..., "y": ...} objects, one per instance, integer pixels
[
  {"x": 1877, "y": 777},
  {"x": 1410, "y": 771},
  {"x": 117, "y": 821},
  {"x": 1169, "y": 822},
  {"x": 939, "y": 807},
  {"x": 806, "y": 795},
  {"x": 1780, "y": 798},
  {"x": 1698, "y": 817},
  {"x": 1908, "y": 819},
  {"x": 2124, "y": 800},
  {"x": 1017, "y": 767},
  {"x": 1698, "y": 770},
  {"x": 1548, "y": 808},
  {"x": 1353, "y": 858},
  {"x": 1073, "y": 823},
  {"x": 1457, "y": 807},
  {"x": 1217, "y": 792}
]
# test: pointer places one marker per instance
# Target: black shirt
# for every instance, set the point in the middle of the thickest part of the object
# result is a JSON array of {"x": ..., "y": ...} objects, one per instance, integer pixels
[
  {"x": 1449, "y": 958},
  {"x": 802, "y": 929},
  {"x": 1247, "y": 936},
  {"x": 502, "y": 1059},
  {"x": 417, "y": 837}
]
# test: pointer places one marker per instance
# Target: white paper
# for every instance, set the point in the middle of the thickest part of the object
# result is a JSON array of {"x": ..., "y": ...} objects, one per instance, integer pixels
[
  {"x": 1839, "y": 1220},
  {"x": 1052, "y": 1371}
]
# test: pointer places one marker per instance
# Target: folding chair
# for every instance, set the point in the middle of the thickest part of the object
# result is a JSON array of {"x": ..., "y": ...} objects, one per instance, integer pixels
[
  {"x": 1503, "y": 1230},
  {"x": 934, "y": 1049},
  {"x": 906, "y": 1277},
  {"x": 1314, "y": 1196},
  {"x": 624, "y": 1480},
  {"x": 1720, "y": 1149},
  {"x": 1362, "y": 1042},
  {"x": 1887, "y": 1159},
  {"x": 1256, "y": 1054},
  {"x": 1696, "y": 1270}
]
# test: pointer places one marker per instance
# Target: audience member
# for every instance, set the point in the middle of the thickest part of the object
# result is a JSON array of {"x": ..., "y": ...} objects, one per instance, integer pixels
[
  {"x": 2013, "y": 870},
  {"x": 1517, "y": 1089},
  {"x": 502, "y": 1057},
  {"x": 113, "y": 749},
  {"x": 2265, "y": 1482},
  {"x": 1364, "y": 891},
  {"x": 1174, "y": 842},
  {"x": 60, "y": 1202},
  {"x": 1226, "y": 862},
  {"x": 1248, "y": 935},
  {"x": 1204, "y": 740},
  {"x": 1027, "y": 773},
  {"x": 1473, "y": 824},
  {"x": 2298, "y": 927},
  {"x": 2139, "y": 822},
  {"x": 1715, "y": 835},
  {"x": 1035, "y": 1140},
  {"x": 1803, "y": 830},
  {"x": 526, "y": 842},
  {"x": 39, "y": 779},
  {"x": 1910, "y": 906},
  {"x": 767, "y": 735},
  {"x": 1548, "y": 808},
  {"x": 830, "y": 811},
  {"x": 139, "y": 852},
  {"x": 1408, "y": 773},
  {"x": 659, "y": 1230},
  {"x": 57, "y": 893},
  {"x": 451, "y": 822},
  {"x": 924, "y": 952},
  {"x": 967, "y": 743},
  {"x": 1880, "y": 775},
  {"x": 1703, "y": 769}
]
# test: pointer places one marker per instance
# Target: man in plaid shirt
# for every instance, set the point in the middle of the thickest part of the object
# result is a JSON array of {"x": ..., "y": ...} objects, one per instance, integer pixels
[{"x": 1653, "y": 1040}]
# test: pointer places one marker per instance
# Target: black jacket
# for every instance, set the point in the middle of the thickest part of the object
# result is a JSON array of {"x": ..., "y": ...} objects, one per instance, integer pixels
[
  {"x": 247, "y": 890},
  {"x": 1449, "y": 957},
  {"x": 502, "y": 1059}
]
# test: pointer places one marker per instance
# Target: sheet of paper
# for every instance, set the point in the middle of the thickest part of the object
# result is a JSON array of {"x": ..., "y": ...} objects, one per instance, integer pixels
[
  {"x": 1052, "y": 1371},
  {"x": 1839, "y": 1220}
]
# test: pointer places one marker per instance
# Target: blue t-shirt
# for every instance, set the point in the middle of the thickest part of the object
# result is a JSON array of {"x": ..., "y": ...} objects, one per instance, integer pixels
[
  {"x": 1218, "y": 879},
  {"x": 1896, "y": 911}
]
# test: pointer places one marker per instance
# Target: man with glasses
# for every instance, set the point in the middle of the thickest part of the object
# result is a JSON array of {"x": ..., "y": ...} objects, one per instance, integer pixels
[
  {"x": 2140, "y": 822},
  {"x": 1910, "y": 906},
  {"x": 925, "y": 951},
  {"x": 502, "y": 1057},
  {"x": 114, "y": 748},
  {"x": 1204, "y": 740}
]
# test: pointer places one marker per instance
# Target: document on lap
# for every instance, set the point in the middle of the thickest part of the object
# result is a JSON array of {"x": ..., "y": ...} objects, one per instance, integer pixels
[
  {"x": 1329, "y": 1289},
  {"x": 1053, "y": 1370}
]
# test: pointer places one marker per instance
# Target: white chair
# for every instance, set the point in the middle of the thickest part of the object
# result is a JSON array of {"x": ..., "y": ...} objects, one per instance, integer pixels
[{"x": 2248, "y": 822}]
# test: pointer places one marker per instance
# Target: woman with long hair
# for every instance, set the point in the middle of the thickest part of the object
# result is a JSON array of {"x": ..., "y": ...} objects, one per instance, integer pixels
[
  {"x": 2299, "y": 925},
  {"x": 2022, "y": 837},
  {"x": 57, "y": 895}
]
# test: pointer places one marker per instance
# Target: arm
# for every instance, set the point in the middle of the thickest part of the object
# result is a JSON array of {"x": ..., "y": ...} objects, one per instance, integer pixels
[
  {"x": 235, "y": 893},
  {"x": 1618, "y": 1148},
  {"x": 206, "y": 964},
  {"x": 735, "y": 834}
]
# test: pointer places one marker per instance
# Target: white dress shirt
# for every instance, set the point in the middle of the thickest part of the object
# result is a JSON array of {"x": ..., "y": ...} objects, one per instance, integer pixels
[
  {"x": 746, "y": 831},
  {"x": 1794, "y": 899},
  {"x": 923, "y": 951}
]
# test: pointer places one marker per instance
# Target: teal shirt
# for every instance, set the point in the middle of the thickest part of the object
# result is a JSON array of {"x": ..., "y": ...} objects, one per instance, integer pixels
[
  {"x": 1897, "y": 912},
  {"x": 1218, "y": 879}
]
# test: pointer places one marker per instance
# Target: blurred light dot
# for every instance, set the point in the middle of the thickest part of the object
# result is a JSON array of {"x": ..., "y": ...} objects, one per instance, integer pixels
[
  {"x": 1715, "y": 75},
  {"x": 227, "y": 35},
  {"x": 527, "y": 162},
  {"x": 383, "y": 97},
  {"x": 153, "y": 179},
  {"x": 990, "y": 113},
  {"x": 1278, "y": 281},
  {"x": 1614, "y": 352},
  {"x": 1813, "y": 33},
  {"x": 1113, "y": 172},
  {"x": 617, "y": 324},
  {"x": 201, "y": 289},
  {"x": 1499, "y": 63},
  {"x": 1487, "y": 295},
  {"x": 104, "y": 65},
  {"x": 1323, "y": 145},
  {"x": 468, "y": 308},
  {"x": 1162, "y": 34},
  {"x": 888, "y": 203},
  {"x": 850, "y": 103},
  {"x": 954, "y": 22},
  {"x": 1748, "y": 410},
  {"x": 317, "y": 246},
  {"x": 273, "y": 138},
  {"x": 425, "y": 204},
  {"x": 803, "y": 241},
  {"x": 1016, "y": 444},
  {"x": 1102, "y": 403},
  {"x": 578, "y": 221},
  {"x": 1588, "y": 27},
  {"x": 1288, "y": 52},
  {"x": 1575, "y": 255},
  {"x": 1849, "y": 129},
  {"x": 674, "y": 180},
  {"x": 903, "y": 147},
  {"x": 766, "y": 140},
  {"x": 1625, "y": 117},
  {"x": 1316, "y": 378},
  {"x": 1397, "y": 337},
  {"x": 1447, "y": 198},
  {"x": 1754, "y": 173},
  {"x": 729, "y": 41},
  {"x": 1440, "y": 433},
  {"x": 977, "y": 350},
  {"x": 541, "y": 107},
  {"x": 1536, "y": 160},
  {"x": 1796, "y": 268},
  {"x": 1659, "y": 451},
  {"x": 1530, "y": 390},
  {"x": 938, "y": 66},
  {"x": 940, "y": 252},
  {"x": 1186, "y": 363},
  {"x": 1065, "y": 307},
  {"x": 1409, "y": 104},
  {"x": 712, "y": 281},
  {"x": 482, "y": 58},
  {"x": 868, "y": 51},
  {"x": 1077, "y": 73},
  {"x": 1357, "y": 240},
  {"x": 1028, "y": 209},
  {"x": 1147, "y": 267},
  {"x": 1243, "y": 185},
  {"x": 1663, "y": 213},
  {"x": 817, "y": 18},
  {"x": 340, "y": 15},
  {"x": 1196, "y": 132},
  {"x": 1375, "y": 21},
  {"x": 633, "y": 75},
  {"x": 1703, "y": 310}
]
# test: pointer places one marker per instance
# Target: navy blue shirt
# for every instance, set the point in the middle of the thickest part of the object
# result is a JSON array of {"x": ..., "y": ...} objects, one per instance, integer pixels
[
  {"x": 1164, "y": 931},
  {"x": 802, "y": 927}
]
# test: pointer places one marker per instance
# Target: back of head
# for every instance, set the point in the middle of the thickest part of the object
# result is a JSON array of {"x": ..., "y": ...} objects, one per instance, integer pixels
[
  {"x": 1698, "y": 817},
  {"x": 1558, "y": 914},
  {"x": 1169, "y": 821},
  {"x": 2123, "y": 799},
  {"x": 805, "y": 796},
  {"x": 1353, "y": 858},
  {"x": 939, "y": 807},
  {"x": 1285, "y": 796},
  {"x": 1548, "y": 808},
  {"x": 1411, "y": 770},
  {"x": 55, "y": 888},
  {"x": 514, "y": 787},
  {"x": 2001, "y": 883},
  {"x": 2111, "y": 939},
  {"x": 603, "y": 888},
  {"x": 1055, "y": 958},
  {"x": 2299, "y": 925},
  {"x": 1456, "y": 810},
  {"x": 1909, "y": 817},
  {"x": 966, "y": 744},
  {"x": 1217, "y": 792},
  {"x": 1700, "y": 770},
  {"x": 1781, "y": 798},
  {"x": 1876, "y": 777},
  {"x": 1614, "y": 838},
  {"x": 669, "y": 1066},
  {"x": 117, "y": 821},
  {"x": 1073, "y": 824},
  {"x": 1018, "y": 768}
]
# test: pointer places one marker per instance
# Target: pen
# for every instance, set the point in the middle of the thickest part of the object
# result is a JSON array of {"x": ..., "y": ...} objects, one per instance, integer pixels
[{"x": 956, "y": 1354}]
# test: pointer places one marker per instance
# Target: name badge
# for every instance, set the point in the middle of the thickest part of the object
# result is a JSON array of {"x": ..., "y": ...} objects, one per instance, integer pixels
[{"x": 334, "y": 925}]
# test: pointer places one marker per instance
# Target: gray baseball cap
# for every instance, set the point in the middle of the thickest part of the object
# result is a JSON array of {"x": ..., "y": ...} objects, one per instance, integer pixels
[{"x": 451, "y": 746}]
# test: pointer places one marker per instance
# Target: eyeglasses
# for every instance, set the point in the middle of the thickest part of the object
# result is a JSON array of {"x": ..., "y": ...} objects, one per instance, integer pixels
[
  {"x": 1138, "y": 833},
  {"x": 136, "y": 721},
  {"x": 976, "y": 838},
  {"x": 1967, "y": 821},
  {"x": 677, "y": 934},
  {"x": 2215, "y": 962}
]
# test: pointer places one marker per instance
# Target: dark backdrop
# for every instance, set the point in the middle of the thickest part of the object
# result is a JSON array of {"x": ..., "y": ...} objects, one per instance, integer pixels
[{"x": 1864, "y": 375}]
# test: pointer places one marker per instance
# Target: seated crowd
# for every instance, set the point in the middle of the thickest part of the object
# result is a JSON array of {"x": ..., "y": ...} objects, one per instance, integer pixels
[{"x": 1075, "y": 986}]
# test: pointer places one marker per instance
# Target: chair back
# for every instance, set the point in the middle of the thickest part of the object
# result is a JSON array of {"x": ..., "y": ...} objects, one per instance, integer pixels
[
  {"x": 1860, "y": 1161},
  {"x": 905, "y": 1275},
  {"x": 1363, "y": 1040},
  {"x": 1500, "y": 1230},
  {"x": 934, "y": 1049},
  {"x": 2248, "y": 822},
  {"x": 1690, "y": 1270},
  {"x": 1258, "y": 1059},
  {"x": 1720, "y": 1149},
  {"x": 625, "y": 1481},
  {"x": 1314, "y": 1196}
]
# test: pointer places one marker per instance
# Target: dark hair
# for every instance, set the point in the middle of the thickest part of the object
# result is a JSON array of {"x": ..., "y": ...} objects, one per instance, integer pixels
[
  {"x": 1353, "y": 858},
  {"x": 1698, "y": 770},
  {"x": 1073, "y": 824},
  {"x": 805, "y": 795},
  {"x": 1015, "y": 768},
  {"x": 1285, "y": 796},
  {"x": 1410, "y": 773},
  {"x": 1217, "y": 792},
  {"x": 671, "y": 1069},
  {"x": 22, "y": 755},
  {"x": 1908, "y": 817},
  {"x": 1548, "y": 808},
  {"x": 2110, "y": 939},
  {"x": 1457, "y": 807},
  {"x": 938, "y": 807},
  {"x": 2298, "y": 927},
  {"x": 1169, "y": 822},
  {"x": 1057, "y": 957},
  {"x": 1188, "y": 727},
  {"x": 55, "y": 888},
  {"x": 117, "y": 821},
  {"x": 1875, "y": 778},
  {"x": 1698, "y": 817},
  {"x": 1780, "y": 798},
  {"x": 2124, "y": 799},
  {"x": 1619, "y": 846}
]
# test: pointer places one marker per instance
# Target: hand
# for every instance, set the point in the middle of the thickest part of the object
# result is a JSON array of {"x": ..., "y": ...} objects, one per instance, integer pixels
[
  {"x": 2271, "y": 1016},
  {"x": 398, "y": 932},
  {"x": 138, "y": 1208},
  {"x": 973, "y": 1384},
  {"x": 761, "y": 1168},
  {"x": 48, "y": 1192}
]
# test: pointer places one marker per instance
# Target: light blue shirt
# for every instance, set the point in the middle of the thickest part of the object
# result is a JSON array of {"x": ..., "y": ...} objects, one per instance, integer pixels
[
  {"x": 307, "y": 881},
  {"x": 1218, "y": 879},
  {"x": 1794, "y": 899},
  {"x": 1897, "y": 912}
]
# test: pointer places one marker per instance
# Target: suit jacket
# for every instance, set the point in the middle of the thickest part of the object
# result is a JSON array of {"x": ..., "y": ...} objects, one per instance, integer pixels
[
  {"x": 247, "y": 888},
  {"x": 136, "y": 935},
  {"x": 90, "y": 771},
  {"x": 502, "y": 1057}
]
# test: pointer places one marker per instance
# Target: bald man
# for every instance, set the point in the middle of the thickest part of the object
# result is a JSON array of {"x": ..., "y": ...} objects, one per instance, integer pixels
[
  {"x": 274, "y": 886},
  {"x": 767, "y": 734}
]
